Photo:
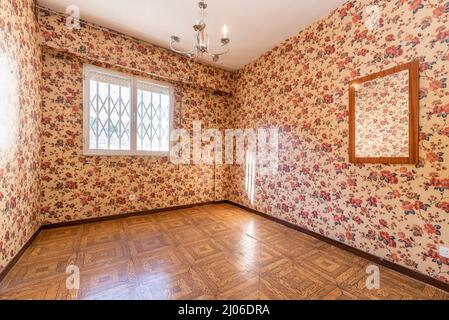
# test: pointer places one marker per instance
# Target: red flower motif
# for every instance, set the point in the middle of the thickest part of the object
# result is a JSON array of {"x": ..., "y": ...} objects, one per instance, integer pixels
[
  {"x": 389, "y": 177},
  {"x": 438, "y": 12},
  {"x": 441, "y": 184},
  {"x": 430, "y": 229},
  {"x": 383, "y": 223},
  {"x": 329, "y": 49},
  {"x": 416, "y": 5},
  {"x": 325, "y": 196},
  {"x": 394, "y": 51},
  {"x": 355, "y": 203},
  {"x": 328, "y": 98},
  {"x": 443, "y": 205},
  {"x": 350, "y": 236},
  {"x": 390, "y": 37},
  {"x": 408, "y": 207},
  {"x": 12, "y": 203},
  {"x": 419, "y": 205},
  {"x": 387, "y": 239},
  {"x": 372, "y": 201}
]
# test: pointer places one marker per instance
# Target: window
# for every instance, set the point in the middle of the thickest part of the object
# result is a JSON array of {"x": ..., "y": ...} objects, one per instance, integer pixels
[
  {"x": 125, "y": 115},
  {"x": 153, "y": 117}
]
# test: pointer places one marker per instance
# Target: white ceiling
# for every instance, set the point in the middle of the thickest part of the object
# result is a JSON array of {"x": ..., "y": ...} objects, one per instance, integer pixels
[{"x": 255, "y": 26}]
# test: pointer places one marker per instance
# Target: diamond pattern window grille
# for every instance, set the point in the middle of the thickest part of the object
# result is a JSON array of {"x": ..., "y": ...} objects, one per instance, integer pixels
[
  {"x": 153, "y": 117},
  {"x": 125, "y": 115}
]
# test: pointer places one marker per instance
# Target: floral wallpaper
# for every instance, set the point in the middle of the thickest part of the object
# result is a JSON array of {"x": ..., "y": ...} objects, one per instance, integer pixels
[
  {"x": 75, "y": 186},
  {"x": 103, "y": 45},
  {"x": 397, "y": 212},
  {"x": 19, "y": 123},
  {"x": 381, "y": 117}
]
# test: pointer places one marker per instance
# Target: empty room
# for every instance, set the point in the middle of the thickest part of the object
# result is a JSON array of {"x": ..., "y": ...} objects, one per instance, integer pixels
[{"x": 224, "y": 150}]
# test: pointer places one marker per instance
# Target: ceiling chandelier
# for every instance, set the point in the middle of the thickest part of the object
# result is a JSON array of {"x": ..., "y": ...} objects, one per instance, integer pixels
[{"x": 201, "y": 40}]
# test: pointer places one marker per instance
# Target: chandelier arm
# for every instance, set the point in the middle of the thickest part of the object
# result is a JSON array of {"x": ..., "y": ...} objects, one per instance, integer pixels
[
  {"x": 187, "y": 53},
  {"x": 201, "y": 40},
  {"x": 220, "y": 53}
]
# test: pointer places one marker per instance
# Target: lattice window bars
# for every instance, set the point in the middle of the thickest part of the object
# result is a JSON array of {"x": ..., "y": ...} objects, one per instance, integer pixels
[{"x": 125, "y": 115}]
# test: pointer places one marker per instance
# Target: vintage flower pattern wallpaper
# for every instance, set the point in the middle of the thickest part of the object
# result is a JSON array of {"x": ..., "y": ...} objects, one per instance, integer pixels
[
  {"x": 75, "y": 186},
  {"x": 381, "y": 117},
  {"x": 398, "y": 212},
  {"x": 103, "y": 45},
  {"x": 19, "y": 140},
  {"x": 78, "y": 187}
]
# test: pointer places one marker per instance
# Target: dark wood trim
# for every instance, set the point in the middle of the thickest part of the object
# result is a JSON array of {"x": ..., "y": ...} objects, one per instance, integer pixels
[
  {"x": 16, "y": 258},
  {"x": 413, "y": 158},
  {"x": 124, "y": 215},
  {"x": 11, "y": 264},
  {"x": 393, "y": 266},
  {"x": 414, "y": 112},
  {"x": 377, "y": 260},
  {"x": 351, "y": 149}
]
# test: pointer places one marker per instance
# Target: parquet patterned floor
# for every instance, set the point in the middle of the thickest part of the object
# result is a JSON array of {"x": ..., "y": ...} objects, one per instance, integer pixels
[{"x": 208, "y": 252}]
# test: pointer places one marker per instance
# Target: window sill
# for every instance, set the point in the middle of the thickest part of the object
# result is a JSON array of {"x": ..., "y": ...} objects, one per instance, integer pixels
[{"x": 105, "y": 153}]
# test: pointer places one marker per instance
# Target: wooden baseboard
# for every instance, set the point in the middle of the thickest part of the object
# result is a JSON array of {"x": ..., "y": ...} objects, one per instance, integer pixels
[
  {"x": 124, "y": 215},
  {"x": 377, "y": 260},
  {"x": 16, "y": 258},
  {"x": 388, "y": 264}
]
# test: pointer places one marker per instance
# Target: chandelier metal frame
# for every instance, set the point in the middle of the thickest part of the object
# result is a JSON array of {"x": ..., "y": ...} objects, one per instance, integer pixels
[{"x": 201, "y": 40}]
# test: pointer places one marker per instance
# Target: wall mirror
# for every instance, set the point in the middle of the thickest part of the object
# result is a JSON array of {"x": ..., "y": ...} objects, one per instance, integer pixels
[{"x": 383, "y": 116}]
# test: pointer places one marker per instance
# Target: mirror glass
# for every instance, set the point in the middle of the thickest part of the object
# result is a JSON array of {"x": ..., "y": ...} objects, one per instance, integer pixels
[{"x": 382, "y": 116}]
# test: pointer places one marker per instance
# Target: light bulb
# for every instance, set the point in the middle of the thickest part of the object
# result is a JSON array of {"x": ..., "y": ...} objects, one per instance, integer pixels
[{"x": 225, "y": 31}]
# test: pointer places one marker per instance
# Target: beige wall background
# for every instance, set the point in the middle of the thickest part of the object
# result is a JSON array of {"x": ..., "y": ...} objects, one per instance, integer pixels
[
  {"x": 20, "y": 119},
  {"x": 399, "y": 213}
]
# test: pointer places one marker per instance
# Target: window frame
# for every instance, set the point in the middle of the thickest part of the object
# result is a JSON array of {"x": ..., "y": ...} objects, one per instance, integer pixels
[{"x": 87, "y": 151}]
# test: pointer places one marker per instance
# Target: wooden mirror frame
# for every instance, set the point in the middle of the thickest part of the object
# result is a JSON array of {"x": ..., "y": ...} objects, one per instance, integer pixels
[{"x": 413, "y": 158}]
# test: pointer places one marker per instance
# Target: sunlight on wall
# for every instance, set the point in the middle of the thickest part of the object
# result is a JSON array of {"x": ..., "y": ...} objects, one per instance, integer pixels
[
  {"x": 8, "y": 105},
  {"x": 250, "y": 179}
]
